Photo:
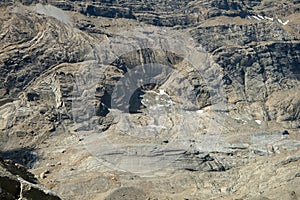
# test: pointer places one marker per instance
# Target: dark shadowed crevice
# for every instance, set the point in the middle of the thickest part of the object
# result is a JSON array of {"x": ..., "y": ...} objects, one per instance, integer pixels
[{"x": 24, "y": 156}]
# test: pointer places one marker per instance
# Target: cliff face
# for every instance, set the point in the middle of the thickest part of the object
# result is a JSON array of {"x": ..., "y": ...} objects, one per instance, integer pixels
[
  {"x": 153, "y": 87},
  {"x": 258, "y": 57},
  {"x": 259, "y": 60},
  {"x": 18, "y": 183}
]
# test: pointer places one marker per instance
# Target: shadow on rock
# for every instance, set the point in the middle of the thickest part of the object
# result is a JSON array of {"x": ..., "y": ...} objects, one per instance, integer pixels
[{"x": 23, "y": 156}]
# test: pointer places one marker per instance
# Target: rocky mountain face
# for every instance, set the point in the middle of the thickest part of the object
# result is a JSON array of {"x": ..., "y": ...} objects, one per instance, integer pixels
[
  {"x": 151, "y": 99},
  {"x": 18, "y": 183}
]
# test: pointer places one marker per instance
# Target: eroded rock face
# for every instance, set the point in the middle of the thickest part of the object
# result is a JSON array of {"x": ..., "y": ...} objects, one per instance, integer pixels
[
  {"x": 150, "y": 100},
  {"x": 253, "y": 56},
  {"x": 18, "y": 183},
  {"x": 254, "y": 69}
]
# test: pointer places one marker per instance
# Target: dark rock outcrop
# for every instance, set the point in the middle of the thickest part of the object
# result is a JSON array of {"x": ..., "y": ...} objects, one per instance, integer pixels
[{"x": 18, "y": 183}]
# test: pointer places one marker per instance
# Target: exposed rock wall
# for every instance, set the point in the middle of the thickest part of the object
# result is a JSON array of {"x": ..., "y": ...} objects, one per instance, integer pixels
[
  {"x": 257, "y": 62},
  {"x": 257, "y": 58},
  {"x": 17, "y": 183}
]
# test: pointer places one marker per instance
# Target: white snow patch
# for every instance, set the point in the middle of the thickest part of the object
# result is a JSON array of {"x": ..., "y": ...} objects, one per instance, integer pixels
[
  {"x": 269, "y": 18},
  {"x": 285, "y": 23},
  {"x": 261, "y": 17},
  {"x": 255, "y": 17},
  {"x": 241, "y": 120},
  {"x": 200, "y": 111},
  {"x": 258, "y": 122},
  {"x": 161, "y": 92}
]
